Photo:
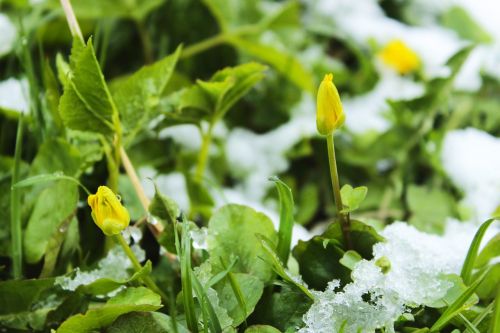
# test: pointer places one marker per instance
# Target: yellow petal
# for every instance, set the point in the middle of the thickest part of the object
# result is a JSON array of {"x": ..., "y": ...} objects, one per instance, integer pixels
[
  {"x": 397, "y": 55},
  {"x": 329, "y": 111},
  {"x": 108, "y": 212}
]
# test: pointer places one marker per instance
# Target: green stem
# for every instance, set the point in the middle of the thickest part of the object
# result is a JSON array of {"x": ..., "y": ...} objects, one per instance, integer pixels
[
  {"x": 15, "y": 209},
  {"x": 203, "y": 155},
  {"x": 343, "y": 217},
  {"x": 137, "y": 266},
  {"x": 204, "y": 45},
  {"x": 147, "y": 46}
]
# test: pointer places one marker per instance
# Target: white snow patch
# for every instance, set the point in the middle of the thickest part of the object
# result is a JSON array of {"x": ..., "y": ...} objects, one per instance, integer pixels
[
  {"x": 471, "y": 158},
  {"x": 188, "y": 136},
  {"x": 14, "y": 94},
  {"x": 8, "y": 35},
  {"x": 419, "y": 263},
  {"x": 172, "y": 184},
  {"x": 365, "y": 112}
]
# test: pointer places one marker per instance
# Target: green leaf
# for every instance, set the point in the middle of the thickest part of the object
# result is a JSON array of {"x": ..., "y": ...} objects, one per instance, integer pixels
[
  {"x": 261, "y": 329},
  {"x": 470, "y": 259},
  {"x": 145, "y": 322},
  {"x": 458, "y": 306},
  {"x": 209, "y": 315},
  {"x": 490, "y": 251},
  {"x": 225, "y": 88},
  {"x": 251, "y": 288},
  {"x": 137, "y": 97},
  {"x": 319, "y": 257},
  {"x": 495, "y": 318},
  {"x": 429, "y": 208},
  {"x": 86, "y": 104},
  {"x": 286, "y": 220},
  {"x": 103, "y": 286},
  {"x": 350, "y": 259},
  {"x": 232, "y": 233},
  {"x": 167, "y": 211},
  {"x": 55, "y": 205},
  {"x": 458, "y": 19},
  {"x": 352, "y": 197},
  {"x": 19, "y": 295},
  {"x": 129, "y": 300},
  {"x": 233, "y": 13},
  {"x": 287, "y": 64},
  {"x": 487, "y": 289}
]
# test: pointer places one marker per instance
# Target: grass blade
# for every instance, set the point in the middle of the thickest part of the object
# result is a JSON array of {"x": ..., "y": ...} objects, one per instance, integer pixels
[
  {"x": 184, "y": 251},
  {"x": 495, "y": 319},
  {"x": 15, "y": 207},
  {"x": 209, "y": 316},
  {"x": 468, "y": 265},
  {"x": 286, "y": 219},
  {"x": 456, "y": 307}
]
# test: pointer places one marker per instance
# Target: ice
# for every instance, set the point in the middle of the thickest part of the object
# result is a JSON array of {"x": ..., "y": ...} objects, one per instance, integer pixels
[
  {"x": 113, "y": 266},
  {"x": 471, "y": 158},
  {"x": 14, "y": 93},
  {"x": 419, "y": 264}
]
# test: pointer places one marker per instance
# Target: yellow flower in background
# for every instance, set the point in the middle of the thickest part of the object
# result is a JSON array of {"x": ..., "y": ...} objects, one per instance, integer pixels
[
  {"x": 108, "y": 212},
  {"x": 399, "y": 56},
  {"x": 329, "y": 112}
]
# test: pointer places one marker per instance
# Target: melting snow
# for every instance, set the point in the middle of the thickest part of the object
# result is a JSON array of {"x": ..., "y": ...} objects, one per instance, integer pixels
[{"x": 14, "y": 94}]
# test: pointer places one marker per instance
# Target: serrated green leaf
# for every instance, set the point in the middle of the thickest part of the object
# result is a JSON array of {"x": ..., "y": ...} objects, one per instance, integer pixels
[
  {"x": 86, "y": 104},
  {"x": 137, "y": 97}
]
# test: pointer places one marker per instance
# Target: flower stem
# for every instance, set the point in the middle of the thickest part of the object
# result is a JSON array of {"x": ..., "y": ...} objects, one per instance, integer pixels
[
  {"x": 204, "y": 45},
  {"x": 71, "y": 18},
  {"x": 203, "y": 155},
  {"x": 343, "y": 217},
  {"x": 137, "y": 267}
]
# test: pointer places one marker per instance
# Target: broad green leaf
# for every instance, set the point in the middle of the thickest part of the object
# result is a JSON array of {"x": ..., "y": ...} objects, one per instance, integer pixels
[
  {"x": 352, "y": 197},
  {"x": 137, "y": 97},
  {"x": 86, "y": 104},
  {"x": 488, "y": 288},
  {"x": 495, "y": 318},
  {"x": 458, "y": 287},
  {"x": 287, "y": 64},
  {"x": 470, "y": 259},
  {"x": 233, "y": 13},
  {"x": 491, "y": 250},
  {"x": 129, "y": 300},
  {"x": 261, "y": 329},
  {"x": 319, "y": 257},
  {"x": 251, "y": 289},
  {"x": 429, "y": 208},
  {"x": 55, "y": 205},
  {"x": 18, "y": 295},
  {"x": 286, "y": 220},
  {"x": 145, "y": 322},
  {"x": 458, "y": 19},
  {"x": 232, "y": 233}
]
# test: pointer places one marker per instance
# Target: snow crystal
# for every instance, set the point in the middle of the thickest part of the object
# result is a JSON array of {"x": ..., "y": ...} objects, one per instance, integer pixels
[
  {"x": 419, "y": 263},
  {"x": 8, "y": 35},
  {"x": 113, "y": 266},
  {"x": 199, "y": 237},
  {"x": 471, "y": 158},
  {"x": 14, "y": 94}
]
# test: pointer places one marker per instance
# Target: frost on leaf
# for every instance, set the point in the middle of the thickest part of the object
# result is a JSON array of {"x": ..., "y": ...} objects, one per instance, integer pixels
[
  {"x": 416, "y": 276},
  {"x": 113, "y": 266}
]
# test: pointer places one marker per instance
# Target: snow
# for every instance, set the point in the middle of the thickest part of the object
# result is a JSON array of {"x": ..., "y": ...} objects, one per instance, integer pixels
[
  {"x": 8, "y": 35},
  {"x": 471, "y": 158},
  {"x": 172, "y": 185},
  {"x": 419, "y": 263},
  {"x": 14, "y": 94},
  {"x": 188, "y": 136},
  {"x": 114, "y": 266},
  {"x": 366, "y": 112}
]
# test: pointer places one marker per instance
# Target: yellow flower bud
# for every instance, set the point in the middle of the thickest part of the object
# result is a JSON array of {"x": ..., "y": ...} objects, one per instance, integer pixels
[
  {"x": 108, "y": 212},
  {"x": 329, "y": 112},
  {"x": 400, "y": 57}
]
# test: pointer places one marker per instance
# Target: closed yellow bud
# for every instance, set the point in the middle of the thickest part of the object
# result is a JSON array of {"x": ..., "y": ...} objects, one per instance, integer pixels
[
  {"x": 329, "y": 112},
  {"x": 400, "y": 57},
  {"x": 108, "y": 212}
]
